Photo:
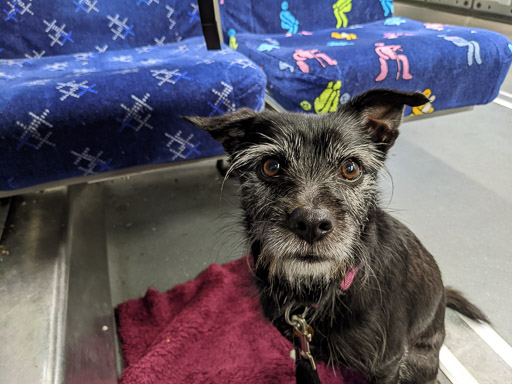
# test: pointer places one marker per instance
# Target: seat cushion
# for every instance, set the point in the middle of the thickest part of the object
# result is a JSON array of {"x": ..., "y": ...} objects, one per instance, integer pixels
[
  {"x": 83, "y": 114},
  {"x": 315, "y": 72}
]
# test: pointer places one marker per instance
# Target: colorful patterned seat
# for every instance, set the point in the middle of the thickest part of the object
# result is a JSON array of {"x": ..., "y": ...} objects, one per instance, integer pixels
[
  {"x": 90, "y": 86},
  {"x": 317, "y": 54}
]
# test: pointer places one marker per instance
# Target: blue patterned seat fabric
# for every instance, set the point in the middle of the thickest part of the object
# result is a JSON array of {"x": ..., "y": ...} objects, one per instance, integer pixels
[
  {"x": 90, "y": 86},
  {"x": 318, "y": 54}
]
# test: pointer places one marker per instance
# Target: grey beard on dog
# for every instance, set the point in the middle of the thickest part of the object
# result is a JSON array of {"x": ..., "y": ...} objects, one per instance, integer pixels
[{"x": 310, "y": 197}]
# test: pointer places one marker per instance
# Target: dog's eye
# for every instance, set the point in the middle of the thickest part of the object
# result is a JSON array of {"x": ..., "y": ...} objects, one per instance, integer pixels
[
  {"x": 350, "y": 170},
  {"x": 271, "y": 167}
]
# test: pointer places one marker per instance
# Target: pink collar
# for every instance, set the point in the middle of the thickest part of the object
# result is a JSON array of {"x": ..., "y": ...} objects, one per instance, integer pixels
[{"x": 349, "y": 278}]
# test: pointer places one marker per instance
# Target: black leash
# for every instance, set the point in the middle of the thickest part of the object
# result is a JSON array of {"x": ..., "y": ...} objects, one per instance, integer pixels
[
  {"x": 305, "y": 367},
  {"x": 304, "y": 374}
]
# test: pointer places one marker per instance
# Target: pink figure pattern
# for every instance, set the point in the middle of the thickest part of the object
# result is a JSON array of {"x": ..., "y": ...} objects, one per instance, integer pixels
[
  {"x": 395, "y": 35},
  {"x": 434, "y": 26},
  {"x": 389, "y": 52},
  {"x": 301, "y": 55}
]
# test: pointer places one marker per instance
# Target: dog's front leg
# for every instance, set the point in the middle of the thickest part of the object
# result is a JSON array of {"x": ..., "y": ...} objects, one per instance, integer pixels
[
  {"x": 420, "y": 366},
  {"x": 395, "y": 376},
  {"x": 417, "y": 364},
  {"x": 420, "y": 362}
]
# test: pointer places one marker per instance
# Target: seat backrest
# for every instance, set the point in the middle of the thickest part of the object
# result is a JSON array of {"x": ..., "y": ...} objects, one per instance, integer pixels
[
  {"x": 295, "y": 16},
  {"x": 30, "y": 27}
]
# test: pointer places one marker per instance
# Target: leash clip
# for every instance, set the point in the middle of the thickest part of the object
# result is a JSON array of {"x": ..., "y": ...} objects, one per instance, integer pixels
[{"x": 305, "y": 332}]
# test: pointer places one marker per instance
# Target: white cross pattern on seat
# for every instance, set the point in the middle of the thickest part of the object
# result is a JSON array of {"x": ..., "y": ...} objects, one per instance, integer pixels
[
  {"x": 144, "y": 49},
  {"x": 37, "y": 55},
  {"x": 183, "y": 144},
  {"x": 74, "y": 89},
  {"x": 139, "y": 113},
  {"x": 60, "y": 66},
  {"x": 31, "y": 131},
  {"x": 83, "y": 56},
  {"x": 244, "y": 63},
  {"x": 122, "y": 59},
  {"x": 86, "y": 5},
  {"x": 93, "y": 163},
  {"x": 166, "y": 76},
  {"x": 159, "y": 42},
  {"x": 148, "y": 2},
  {"x": 101, "y": 49},
  {"x": 58, "y": 33},
  {"x": 121, "y": 29},
  {"x": 172, "y": 22},
  {"x": 223, "y": 99},
  {"x": 17, "y": 7}
]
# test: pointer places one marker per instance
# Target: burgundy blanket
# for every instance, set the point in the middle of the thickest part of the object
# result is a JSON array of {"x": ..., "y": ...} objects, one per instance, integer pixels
[{"x": 208, "y": 330}]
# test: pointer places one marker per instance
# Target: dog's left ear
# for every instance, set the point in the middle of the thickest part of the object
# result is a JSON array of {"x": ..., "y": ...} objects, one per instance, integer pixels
[
  {"x": 382, "y": 110},
  {"x": 229, "y": 129}
]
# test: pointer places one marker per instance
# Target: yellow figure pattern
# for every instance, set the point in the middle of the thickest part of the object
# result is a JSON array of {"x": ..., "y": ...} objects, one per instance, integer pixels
[
  {"x": 329, "y": 98},
  {"x": 306, "y": 105},
  {"x": 232, "y": 39},
  {"x": 344, "y": 35},
  {"x": 340, "y": 8},
  {"x": 425, "y": 108},
  {"x": 232, "y": 43}
]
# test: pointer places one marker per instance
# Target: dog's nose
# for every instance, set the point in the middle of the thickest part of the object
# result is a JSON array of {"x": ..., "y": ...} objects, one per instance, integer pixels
[{"x": 311, "y": 224}]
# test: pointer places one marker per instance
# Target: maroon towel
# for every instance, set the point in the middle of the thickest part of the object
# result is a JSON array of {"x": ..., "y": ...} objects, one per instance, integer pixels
[{"x": 209, "y": 330}]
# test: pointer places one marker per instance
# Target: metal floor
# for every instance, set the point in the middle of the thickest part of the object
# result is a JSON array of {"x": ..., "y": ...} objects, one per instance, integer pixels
[{"x": 451, "y": 184}]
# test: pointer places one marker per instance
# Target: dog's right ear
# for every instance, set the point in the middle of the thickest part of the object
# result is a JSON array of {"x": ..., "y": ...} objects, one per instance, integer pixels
[
  {"x": 229, "y": 129},
  {"x": 383, "y": 110}
]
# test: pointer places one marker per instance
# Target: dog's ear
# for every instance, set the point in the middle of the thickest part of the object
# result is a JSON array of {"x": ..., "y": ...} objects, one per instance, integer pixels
[
  {"x": 229, "y": 129},
  {"x": 382, "y": 110}
]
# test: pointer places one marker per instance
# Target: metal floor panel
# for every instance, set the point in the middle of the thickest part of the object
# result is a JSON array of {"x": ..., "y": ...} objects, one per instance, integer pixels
[
  {"x": 166, "y": 227},
  {"x": 452, "y": 187},
  {"x": 474, "y": 354},
  {"x": 32, "y": 289},
  {"x": 56, "y": 322}
]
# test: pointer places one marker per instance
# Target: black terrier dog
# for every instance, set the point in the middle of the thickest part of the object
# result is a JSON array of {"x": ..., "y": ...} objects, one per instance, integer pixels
[{"x": 327, "y": 258}]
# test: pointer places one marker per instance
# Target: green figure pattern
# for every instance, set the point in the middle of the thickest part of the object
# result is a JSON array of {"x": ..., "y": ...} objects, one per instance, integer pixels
[
  {"x": 340, "y": 8},
  {"x": 329, "y": 98}
]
